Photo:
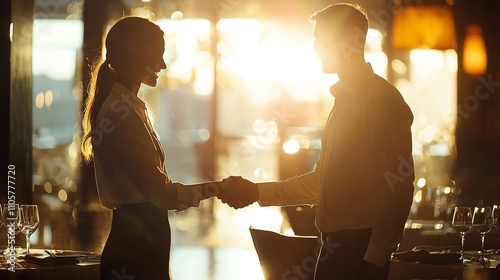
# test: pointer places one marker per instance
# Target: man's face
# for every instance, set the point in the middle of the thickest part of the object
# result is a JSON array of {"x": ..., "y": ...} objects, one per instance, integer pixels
[{"x": 327, "y": 49}]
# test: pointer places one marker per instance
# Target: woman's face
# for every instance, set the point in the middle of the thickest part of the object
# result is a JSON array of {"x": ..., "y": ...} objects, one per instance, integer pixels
[{"x": 151, "y": 63}]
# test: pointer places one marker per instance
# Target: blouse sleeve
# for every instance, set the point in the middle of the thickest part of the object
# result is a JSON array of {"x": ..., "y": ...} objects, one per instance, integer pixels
[{"x": 135, "y": 152}]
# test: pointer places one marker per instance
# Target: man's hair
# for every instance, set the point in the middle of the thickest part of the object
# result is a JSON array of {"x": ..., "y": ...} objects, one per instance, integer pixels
[{"x": 342, "y": 18}]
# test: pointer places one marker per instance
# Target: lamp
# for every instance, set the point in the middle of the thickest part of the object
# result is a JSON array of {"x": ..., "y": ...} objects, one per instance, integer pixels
[
  {"x": 424, "y": 26},
  {"x": 474, "y": 51}
]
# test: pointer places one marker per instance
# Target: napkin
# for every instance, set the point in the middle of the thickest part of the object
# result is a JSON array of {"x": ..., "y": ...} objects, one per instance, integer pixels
[
  {"x": 56, "y": 259},
  {"x": 427, "y": 257}
]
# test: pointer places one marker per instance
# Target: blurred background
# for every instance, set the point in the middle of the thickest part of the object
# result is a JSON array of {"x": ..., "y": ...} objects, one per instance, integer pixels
[{"x": 244, "y": 95}]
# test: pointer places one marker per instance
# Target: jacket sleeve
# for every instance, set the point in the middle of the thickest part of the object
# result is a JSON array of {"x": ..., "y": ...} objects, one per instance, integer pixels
[
  {"x": 191, "y": 195},
  {"x": 391, "y": 134},
  {"x": 136, "y": 153},
  {"x": 301, "y": 189}
]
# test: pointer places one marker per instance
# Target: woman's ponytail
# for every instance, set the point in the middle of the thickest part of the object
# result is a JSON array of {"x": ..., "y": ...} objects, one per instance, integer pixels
[{"x": 101, "y": 81}]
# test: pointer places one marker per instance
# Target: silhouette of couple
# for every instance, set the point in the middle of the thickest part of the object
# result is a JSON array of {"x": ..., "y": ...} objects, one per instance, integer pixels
[{"x": 362, "y": 198}]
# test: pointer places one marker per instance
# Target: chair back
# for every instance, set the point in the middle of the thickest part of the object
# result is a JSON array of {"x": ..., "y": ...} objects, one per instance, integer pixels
[{"x": 285, "y": 257}]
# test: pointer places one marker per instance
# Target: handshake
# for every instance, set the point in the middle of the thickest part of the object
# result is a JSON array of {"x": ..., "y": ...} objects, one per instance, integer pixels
[{"x": 238, "y": 192}]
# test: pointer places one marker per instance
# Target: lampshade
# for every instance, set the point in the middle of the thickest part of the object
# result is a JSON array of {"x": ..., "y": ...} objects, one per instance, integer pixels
[
  {"x": 474, "y": 51},
  {"x": 424, "y": 26}
]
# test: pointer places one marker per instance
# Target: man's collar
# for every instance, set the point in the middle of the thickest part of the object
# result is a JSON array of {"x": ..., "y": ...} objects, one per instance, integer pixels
[
  {"x": 347, "y": 82},
  {"x": 354, "y": 72}
]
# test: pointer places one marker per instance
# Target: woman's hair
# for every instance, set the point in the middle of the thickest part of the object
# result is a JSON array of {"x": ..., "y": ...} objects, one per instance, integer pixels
[{"x": 126, "y": 43}]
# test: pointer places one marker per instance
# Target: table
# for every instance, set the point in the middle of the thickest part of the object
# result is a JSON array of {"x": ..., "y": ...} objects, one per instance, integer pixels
[
  {"x": 406, "y": 271},
  {"x": 415, "y": 238},
  {"x": 445, "y": 238},
  {"x": 281, "y": 256},
  {"x": 85, "y": 270}
]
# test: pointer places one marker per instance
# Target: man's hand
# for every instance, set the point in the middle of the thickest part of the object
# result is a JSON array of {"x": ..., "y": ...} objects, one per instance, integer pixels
[{"x": 238, "y": 192}]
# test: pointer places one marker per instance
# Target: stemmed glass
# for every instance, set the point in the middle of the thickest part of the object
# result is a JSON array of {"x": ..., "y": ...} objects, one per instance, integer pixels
[
  {"x": 495, "y": 218},
  {"x": 481, "y": 222},
  {"x": 1, "y": 216},
  {"x": 1, "y": 224},
  {"x": 9, "y": 216},
  {"x": 29, "y": 222},
  {"x": 462, "y": 223}
]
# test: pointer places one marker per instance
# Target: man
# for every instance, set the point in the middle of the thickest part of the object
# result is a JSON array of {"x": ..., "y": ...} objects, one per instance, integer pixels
[{"x": 363, "y": 181}]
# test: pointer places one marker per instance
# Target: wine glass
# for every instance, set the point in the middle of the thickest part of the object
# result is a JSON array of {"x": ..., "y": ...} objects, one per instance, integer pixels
[
  {"x": 11, "y": 214},
  {"x": 29, "y": 222},
  {"x": 1, "y": 224},
  {"x": 462, "y": 223},
  {"x": 1, "y": 216},
  {"x": 495, "y": 218},
  {"x": 481, "y": 222}
]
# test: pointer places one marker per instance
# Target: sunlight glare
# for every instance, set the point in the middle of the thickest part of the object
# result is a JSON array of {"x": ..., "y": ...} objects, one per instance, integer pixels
[
  {"x": 50, "y": 48},
  {"x": 398, "y": 66},
  {"x": 291, "y": 146},
  {"x": 430, "y": 58},
  {"x": 421, "y": 182},
  {"x": 374, "y": 39},
  {"x": 40, "y": 100},
  {"x": 418, "y": 196},
  {"x": 47, "y": 186},
  {"x": 270, "y": 63},
  {"x": 204, "y": 134},
  {"x": 261, "y": 173},
  {"x": 188, "y": 61},
  {"x": 268, "y": 218},
  {"x": 63, "y": 195},
  {"x": 451, "y": 60},
  {"x": 73, "y": 150},
  {"x": 259, "y": 126},
  {"x": 177, "y": 15},
  {"x": 48, "y": 98}
]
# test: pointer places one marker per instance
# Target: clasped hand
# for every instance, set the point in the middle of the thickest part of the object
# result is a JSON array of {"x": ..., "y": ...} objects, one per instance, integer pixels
[{"x": 238, "y": 192}]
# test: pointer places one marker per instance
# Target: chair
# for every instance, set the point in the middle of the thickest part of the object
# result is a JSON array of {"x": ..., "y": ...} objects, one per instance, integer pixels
[{"x": 285, "y": 257}]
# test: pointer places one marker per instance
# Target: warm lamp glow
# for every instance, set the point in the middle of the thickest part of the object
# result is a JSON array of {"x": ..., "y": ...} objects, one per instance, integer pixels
[
  {"x": 475, "y": 61},
  {"x": 426, "y": 26}
]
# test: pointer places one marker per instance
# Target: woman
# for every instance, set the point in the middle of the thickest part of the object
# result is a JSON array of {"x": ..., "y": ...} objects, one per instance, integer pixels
[{"x": 128, "y": 158}]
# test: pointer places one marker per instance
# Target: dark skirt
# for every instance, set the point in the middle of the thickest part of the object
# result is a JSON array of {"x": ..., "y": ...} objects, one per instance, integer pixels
[{"x": 138, "y": 245}]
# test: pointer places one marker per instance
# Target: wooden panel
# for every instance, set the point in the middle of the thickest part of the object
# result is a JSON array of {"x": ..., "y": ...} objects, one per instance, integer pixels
[
  {"x": 21, "y": 87},
  {"x": 5, "y": 19},
  {"x": 477, "y": 134}
]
